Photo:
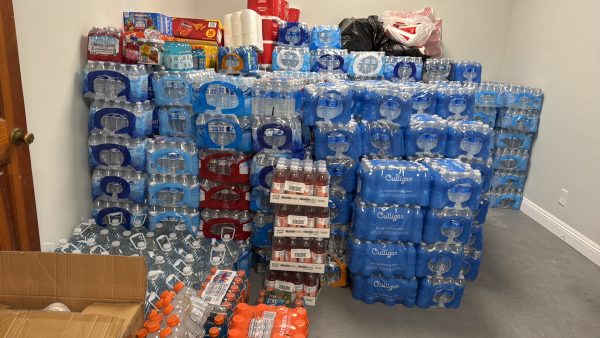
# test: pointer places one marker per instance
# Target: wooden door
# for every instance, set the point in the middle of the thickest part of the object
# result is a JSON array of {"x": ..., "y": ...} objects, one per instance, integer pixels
[{"x": 18, "y": 218}]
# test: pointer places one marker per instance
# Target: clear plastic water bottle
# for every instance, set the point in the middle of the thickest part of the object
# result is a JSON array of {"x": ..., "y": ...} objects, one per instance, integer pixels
[
  {"x": 117, "y": 249},
  {"x": 104, "y": 238}
]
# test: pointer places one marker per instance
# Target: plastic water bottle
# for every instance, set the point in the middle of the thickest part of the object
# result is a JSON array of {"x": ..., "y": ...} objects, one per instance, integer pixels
[
  {"x": 118, "y": 250},
  {"x": 104, "y": 238}
]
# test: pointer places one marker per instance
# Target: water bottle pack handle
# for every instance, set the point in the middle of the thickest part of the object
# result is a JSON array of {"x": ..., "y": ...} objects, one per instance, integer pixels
[
  {"x": 170, "y": 215},
  {"x": 160, "y": 90},
  {"x": 358, "y": 58},
  {"x": 293, "y": 26},
  {"x": 200, "y": 96},
  {"x": 125, "y": 188},
  {"x": 340, "y": 102},
  {"x": 113, "y": 211},
  {"x": 97, "y": 149},
  {"x": 234, "y": 168},
  {"x": 403, "y": 65},
  {"x": 262, "y": 175},
  {"x": 213, "y": 203},
  {"x": 173, "y": 187},
  {"x": 139, "y": 234},
  {"x": 129, "y": 129},
  {"x": 233, "y": 144},
  {"x": 98, "y": 248},
  {"x": 92, "y": 76},
  {"x": 238, "y": 226},
  {"x": 378, "y": 131},
  {"x": 161, "y": 153},
  {"x": 159, "y": 239},
  {"x": 67, "y": 246},
  {"x": 287, "y": 131},
  {"x": 347, "y": 137},
  {"x": 321, "y": 65},
  {"x": 169, "y": 279},
  {"x": 388, "y": 100},
  {"x": 176, "y": 266}
]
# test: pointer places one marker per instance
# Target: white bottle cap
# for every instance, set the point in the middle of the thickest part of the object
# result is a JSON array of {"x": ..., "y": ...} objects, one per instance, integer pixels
[
  {"x": 187, "y": 270},
  {"x": 104, "y": 232},
  {"x": 126, "y": 233},
  {"x": 115, "y": 244},
  {"x": 189, "y": 257},
  {"x": 167, "y": 247},
  {"x": 215, "y": 260},
  {"x": 160, "y": 259}
]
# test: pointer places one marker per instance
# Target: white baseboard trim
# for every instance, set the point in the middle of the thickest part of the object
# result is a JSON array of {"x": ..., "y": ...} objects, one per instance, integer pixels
[{"x": 562, "y": 230}]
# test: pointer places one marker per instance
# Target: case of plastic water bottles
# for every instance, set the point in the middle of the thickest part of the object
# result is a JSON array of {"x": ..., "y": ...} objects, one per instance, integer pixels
[
  {"x": 171, "y": 156},
  {"x": 217, "y": 195},
  {"x": 455, "y": 184},
  {"x": 170, "y": 217},
  {"x": 469, "y": 139},
  {"x": 453, "y": 101},
  {"x": 382, "y": 138},
  {"x": 260, "y": 200},
  {"x": 293, "y": 34},
  {"x": 426, "y": 135},
  {"x": 262, "y": 167},
  {"x": 325, "y": 36},
  {"x": 438, "y": 69},
  {"x": 522, "y": 97},
  {"x": 328, "y": 60},
  {"x": 262, "y": 230},
  {"x": 390, "y": 102},
  {"x": 508, "y": 179},
  {"x": 391, "y": 222},
  {"x": 121, "y": 117},
  {"x": 177, "y": 121},
  {"x": 485, "y": 167},
  {"x": 225, "y": 166},
  {"x": 389, "y": 291},
  {"x": 119, "y": 213},
  {"x": 366, "y": 65},
  {"x": 109, "y": 80},
  {"x": 339, "y": 205},
  {"x": 337, "y": 139},
  {"x": 171, "y": 87},
  {"x": 291, "y": 58},
  {"x": 223, "y": 94},
  {"x": 342, "y": 172},
  {"x": 365, "y": 100},
  {"x": 480, "y": 214},
  {"x": 439, "y": 292},
  {"x": 518, "y": 119},
  {"x": 173, "y": 190},
  {"x": 485, "y": 115},
  {"x": 384, "y": 181},
  {"x": 447, "y": 225},
  {"x": 488, "y": 94},
  {"x": 237, "y": 60},
  {"x": 470, "y": 263},
  {"x": 513, "y": 139},
  {"x": 466, "y": 71},
  {"x": 439, "y": 259},
  {"x": 329, "y": 101},
  {"x": 117, "y": 151},
  {"x": 506, "y": 198},
  {"x": 403, "y": 68},
  {"x": 119, "y": 184},
  {"x": 389, "y": 259},
  {"x": 224, "y": 132},
  {"x": 476, "y": 238},
  {"x": 278, "y": 96},
  {"x": 423, "y": 97},
  {"x": 511, "y": 159},
  {"x": 277, "y": 134},
  {"x": 217, "y": 223}
]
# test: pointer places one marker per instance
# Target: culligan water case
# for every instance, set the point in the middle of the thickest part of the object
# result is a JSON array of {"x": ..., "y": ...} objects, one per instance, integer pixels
[
  {"x": 339, "y": 205},
  {"x": 426, "y": 135},
  {"x": 328, "y": 101},
  {"x": 325, "y": 36},
  {"x": 218, "y": 223},
  {"x": 506, "y": 198},
  {"x": 337, "y": 139},
  {"x": 118, "y": 213},
  {"x": 511, "y": 159},
  {"x": 293, "y": 34},
  {"x": 366, "y": 98},
  {"x": 328, "y": 60},
  {"x": 366, "y": 65},
  {"x": 225, "y": 166},
  {"x": 522, "y": 97},
  {"x": 391, "y": 222},
  {"x": 170, "y": 217},
  {"x": 469, "y": 139},
  {"x": 466, "y": 71},
  {"x": 508, "y": 179},
  {"x": 342, "y": 172},
  {"x": 291, "y": 58},
  {"x": 439, "y": 292},
  {"x": 119, "y": 184},
  {"x": 391, "y": 102},
  {"x": 260, "y": 200},
  {"x": 471, "y": 261},
  {"x": 217, "y": 195},
  {"x": 171, "y": 156},
  {"x": 403, "y": 68},
  {"x": 447, "y": 225},
  {"x": 438, "y": 69},
  {"x": 454, "y": 184},
  {"x": 393, "y": 181},
  {"x": 439, "y": 259},
  {"x": 277, "y": 134},
  {"x": 237, "y": 60},
  {"x": 486, "y": 168},
  {"x": 423, "y": 97},
  {"x": 224, "y": 132},
  {"x": 390, "y": 291},
  {"x": 485, "y": 115},
  {"x": 173, "y": 190},
  {"x": 480, "y": 214},
  {"x": 513, "y": 139},
  {"x": 117, "y": 151},
  {"x": 382, "y": 138},
  {"x": 223, "y": 94},
  {"x": 120, "y": 117},
  {"x": 109, "y": 80},
  {"x": 278, "y": 96},
  {"x": 488, "y": 94},
  {"x": 177, "y": 121},
  {"x": 518, "y": 119},
  {"x": 388, "y": 259},
  {"x": 453, "y": 101},
  {"x": 476, "y": 238}
]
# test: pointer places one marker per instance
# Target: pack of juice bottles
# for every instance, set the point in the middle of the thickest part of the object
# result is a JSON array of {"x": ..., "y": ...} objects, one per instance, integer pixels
[{"x": 296, "y": 177}]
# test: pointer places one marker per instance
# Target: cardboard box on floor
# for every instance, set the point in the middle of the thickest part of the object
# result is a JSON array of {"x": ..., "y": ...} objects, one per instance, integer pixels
[{"x": 105, "y": 294}]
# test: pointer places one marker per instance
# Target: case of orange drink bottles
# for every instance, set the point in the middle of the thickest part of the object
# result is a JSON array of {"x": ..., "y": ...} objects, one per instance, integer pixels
[{"x": 268, "y": 321}]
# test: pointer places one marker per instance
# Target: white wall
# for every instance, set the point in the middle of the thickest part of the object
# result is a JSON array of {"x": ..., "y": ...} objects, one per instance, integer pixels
[
  {"x": 554, "y": 45},
  {"x": 52, "y": 54},
  {"x": 472, "y": 29}
]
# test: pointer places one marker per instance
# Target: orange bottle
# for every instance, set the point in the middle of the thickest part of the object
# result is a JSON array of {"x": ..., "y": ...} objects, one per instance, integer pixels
[
  {"x": 141, "y": 333},
  {"x": 214, "y": 332},
  {"x": 166, "y": 332},
  {"x": 153, "y": 327},
  {"x": 236, "y": 333}
]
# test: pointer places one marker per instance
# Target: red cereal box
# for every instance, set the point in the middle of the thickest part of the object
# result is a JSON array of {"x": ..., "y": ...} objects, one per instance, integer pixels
[{"x": 198, "y": 29}]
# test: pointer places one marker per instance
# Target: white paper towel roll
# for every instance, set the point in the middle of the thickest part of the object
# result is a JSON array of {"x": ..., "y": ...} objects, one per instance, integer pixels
[
  {"x": 249, "y": 19},
  {"x": 227, "y": 24},
  {"x": 236, "y": 28}
]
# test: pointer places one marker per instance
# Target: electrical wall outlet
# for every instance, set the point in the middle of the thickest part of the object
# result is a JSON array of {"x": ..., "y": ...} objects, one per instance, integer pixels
[{"x": 563, "y": 197}]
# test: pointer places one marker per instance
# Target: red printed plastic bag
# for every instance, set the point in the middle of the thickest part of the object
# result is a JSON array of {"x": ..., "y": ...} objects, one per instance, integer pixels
[{"x": 414, "y": 29}]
